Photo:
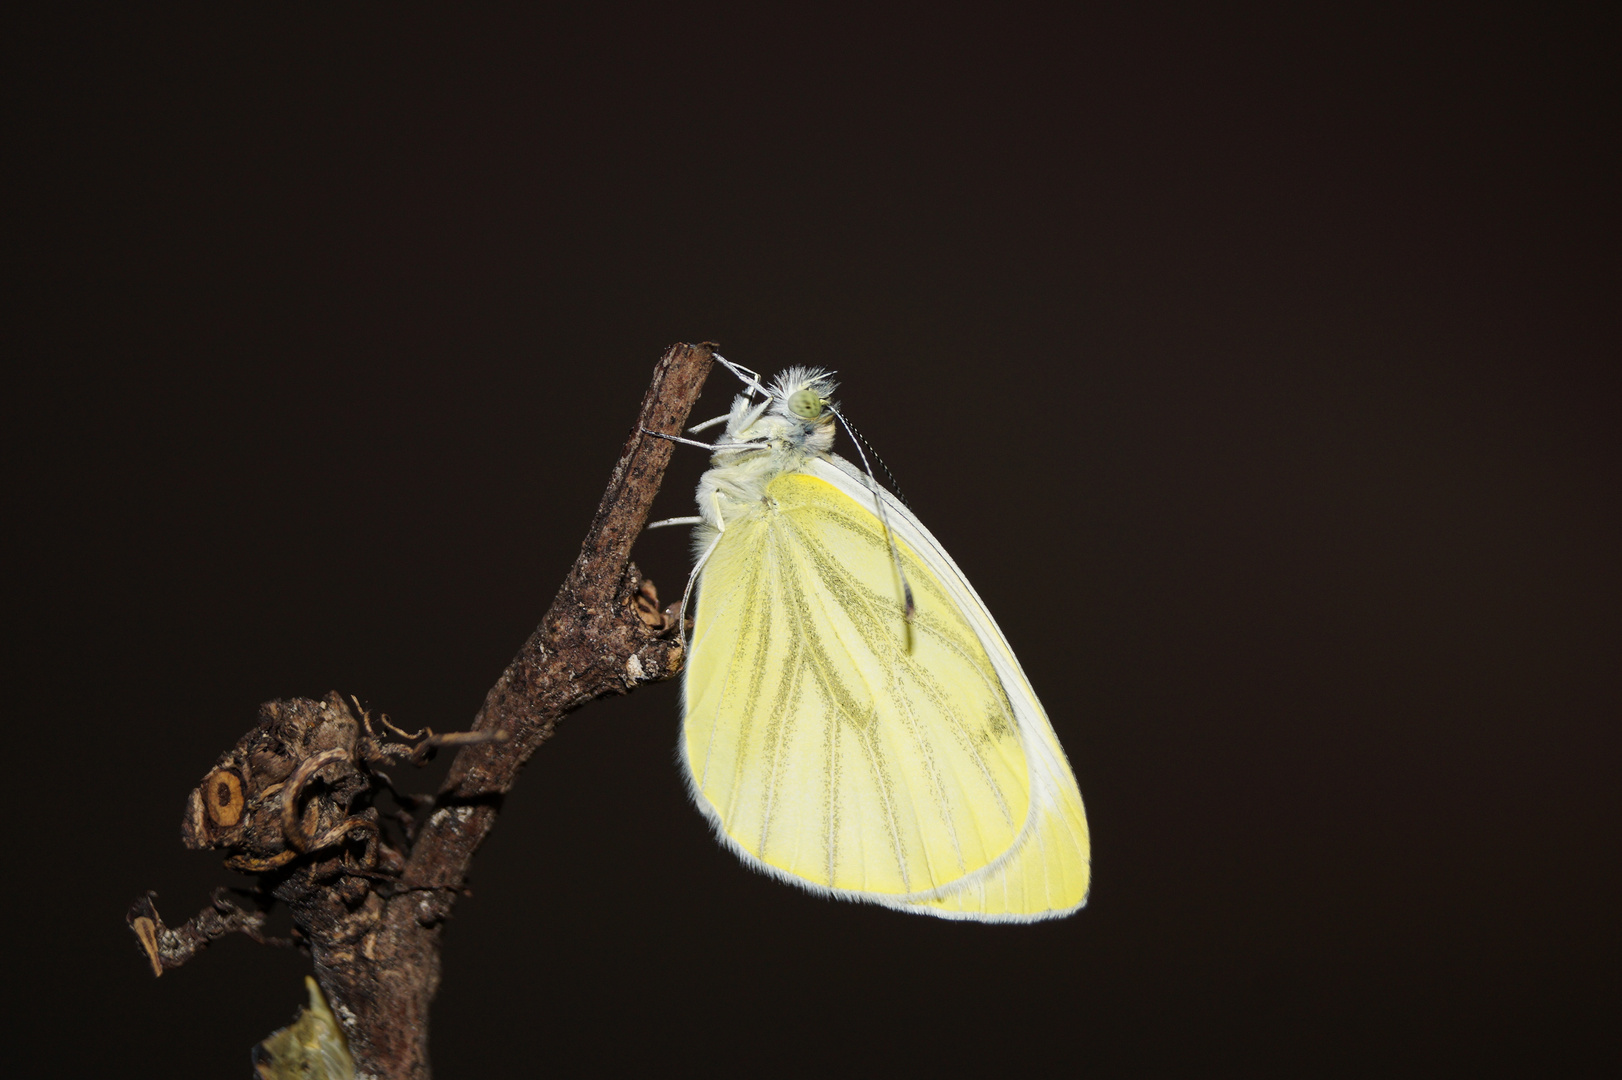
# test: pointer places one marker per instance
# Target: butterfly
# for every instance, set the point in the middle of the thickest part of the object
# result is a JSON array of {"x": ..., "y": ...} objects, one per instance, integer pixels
[{"x": 854, "y": 721}]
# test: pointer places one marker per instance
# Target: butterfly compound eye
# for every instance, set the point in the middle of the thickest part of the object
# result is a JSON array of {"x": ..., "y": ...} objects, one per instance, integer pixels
[{"x": 805, "y": 404}]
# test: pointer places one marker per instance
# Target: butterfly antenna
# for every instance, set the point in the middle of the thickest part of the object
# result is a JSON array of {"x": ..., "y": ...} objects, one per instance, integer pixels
[
  {"x": 895, "y": 488},
  {"x": 884, "y": 519}
]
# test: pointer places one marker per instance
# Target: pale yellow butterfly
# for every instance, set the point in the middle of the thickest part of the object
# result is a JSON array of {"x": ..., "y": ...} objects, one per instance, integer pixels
[{"x": 855, "y": 723}]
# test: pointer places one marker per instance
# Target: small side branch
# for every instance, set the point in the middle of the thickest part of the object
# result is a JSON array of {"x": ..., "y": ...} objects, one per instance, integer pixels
[{"x": 168, "y": 947}]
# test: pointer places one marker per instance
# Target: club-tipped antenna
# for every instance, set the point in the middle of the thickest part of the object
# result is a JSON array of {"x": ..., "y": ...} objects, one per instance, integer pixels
[{"x": 908, "y": 607}]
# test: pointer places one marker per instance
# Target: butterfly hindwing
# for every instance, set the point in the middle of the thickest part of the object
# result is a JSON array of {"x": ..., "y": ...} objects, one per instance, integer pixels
[{"x": 1047, "y": 877}]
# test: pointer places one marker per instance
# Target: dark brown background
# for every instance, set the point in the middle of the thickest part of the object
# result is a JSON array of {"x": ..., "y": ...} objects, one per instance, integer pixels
[{"x": 1259, "y": 368}]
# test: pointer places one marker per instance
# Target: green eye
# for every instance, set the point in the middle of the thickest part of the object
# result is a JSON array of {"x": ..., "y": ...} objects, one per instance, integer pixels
[{"x": 805, "y": 404}]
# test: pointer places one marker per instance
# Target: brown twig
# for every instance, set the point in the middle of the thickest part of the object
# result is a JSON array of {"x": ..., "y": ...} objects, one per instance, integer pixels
[
  {"x": 168, "y": 947},
  {"x": 373, "y": 924}
]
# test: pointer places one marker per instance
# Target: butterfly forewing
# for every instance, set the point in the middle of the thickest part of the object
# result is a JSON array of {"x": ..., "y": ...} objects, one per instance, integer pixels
[
  {"x": 825, "y": 737},
  {"x": 1050, "y": 872}
]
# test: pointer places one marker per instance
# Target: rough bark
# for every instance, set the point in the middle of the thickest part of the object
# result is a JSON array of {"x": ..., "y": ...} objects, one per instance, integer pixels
[{"x": 293, "y": 800}]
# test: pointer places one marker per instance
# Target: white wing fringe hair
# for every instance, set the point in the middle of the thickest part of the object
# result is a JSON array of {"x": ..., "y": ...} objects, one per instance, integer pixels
[{"x": 876, "y": 752}]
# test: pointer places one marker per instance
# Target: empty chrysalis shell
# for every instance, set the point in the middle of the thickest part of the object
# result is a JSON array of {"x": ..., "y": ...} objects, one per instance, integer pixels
[{"x": 311, "y": 1048}]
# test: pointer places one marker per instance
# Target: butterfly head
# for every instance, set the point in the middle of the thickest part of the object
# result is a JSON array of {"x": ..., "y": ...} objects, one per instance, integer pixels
[
  {"x": 797, "y": 416},
  {"x": 803, "y": 406},
  {"x": 804, "y": 395}
]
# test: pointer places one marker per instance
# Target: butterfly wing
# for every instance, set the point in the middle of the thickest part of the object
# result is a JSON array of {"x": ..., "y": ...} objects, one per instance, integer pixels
[
  {"x": 825, "y": 750},
  {"x": 1049, "y": 873}
]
